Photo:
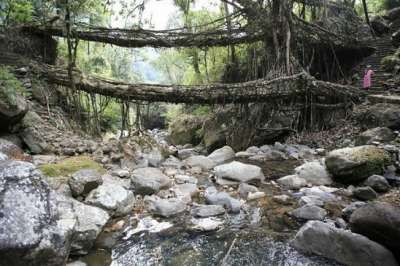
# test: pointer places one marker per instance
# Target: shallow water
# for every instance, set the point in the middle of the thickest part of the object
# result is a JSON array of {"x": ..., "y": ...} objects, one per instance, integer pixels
[{"x": 259, "y": 235}]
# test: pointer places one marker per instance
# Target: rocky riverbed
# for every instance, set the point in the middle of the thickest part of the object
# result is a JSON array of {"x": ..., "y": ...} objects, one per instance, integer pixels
[{"x": 177, "y": 205}]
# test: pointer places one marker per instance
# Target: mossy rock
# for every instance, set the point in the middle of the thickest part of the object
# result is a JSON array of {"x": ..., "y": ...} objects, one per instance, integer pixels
[
  {"x": 185, "y": 129},
  {"x": 353, "y": 165},
  {"x": 69, "y": 166}
]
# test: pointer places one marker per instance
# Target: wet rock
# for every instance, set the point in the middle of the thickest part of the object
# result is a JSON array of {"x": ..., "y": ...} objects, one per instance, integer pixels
[
  {"x": 348, "y": 211},
  {"x": 148, "y": 224},
  {"x": 207, "y": 210},
  {"x": 379, "y": 134},
  {"x": 149, "y": 180},
  {"x": 164, "y": 207},
  {"x": 36, "y": 225},
  {"x": 378, "y": 183},
  {"x": 200, "y": 161},
  {"x": 365, "y": 193},
  {"x": 240, "y": 172},
  {"x": 292, "y": 182},
  {"x": 206, "y": 224},
  {"x": 223, "y": 199},
  {"x": 379, "y": 222},
  {"x": 113, "y": 198},
  {"x": 309, "y": 212},
  {"x": 343, "y": 246},
  {"x": 84, "y": 181},
  {"x": 314, "y": 173},
  {"x": 222, "y": 155},
  {"x": 91, "y": 221},
  {"x": 351, "y": 165}
]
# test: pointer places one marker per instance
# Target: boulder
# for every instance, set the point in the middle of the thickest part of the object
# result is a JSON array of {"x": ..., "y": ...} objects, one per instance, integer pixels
[
  {"x": 222, "y": 155},
  {"x": 36, "y": 225},
  {"x": 206, "y": 224},
  {"x": 200, "y": 161},
  {"x": 309, "y": 212},
  {"x": 113, "y": 198},
  {"x": 164, "y": 207},
  {"x": 214, "y": 130},
  {"x": 83, "y": 181},
  {"x": 240, "y": 172},
  {"x": 91, "y": 221},
  {"x": 185, "y": 129},
  {"x": 149, "y": 180},
  {"x": 364, "y": 193},
  {"x": 378, "y": 134},
  {"x": 393, "y": 14},
  {"x": 314, "y": 173},
  {"x": 378, "y": 183},
  {"x": 185, "y": 192},
  {"x": 351, "y": 165},
  {"x": 33, "y": 134},
  {"x": 345, "y": 247},
  {"x": 379, "y": 25},
  {"x": 379, "y": 222},
  {"x": 13, "y": 106},
  {"x": 381, "y": 115},
  {"x": 207, "y": 210},
  {"x": 223, "y": 199}
]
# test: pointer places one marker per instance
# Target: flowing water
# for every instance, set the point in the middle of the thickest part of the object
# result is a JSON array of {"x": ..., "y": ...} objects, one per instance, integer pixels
[{"x": 259, "y": 235}]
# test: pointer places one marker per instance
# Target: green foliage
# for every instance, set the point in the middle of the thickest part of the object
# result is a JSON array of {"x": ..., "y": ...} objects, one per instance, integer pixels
[
  {"x": 70, "y": 166},
  {"x": 173, "y": 112},
  {"x": 15, "y": 11},
  {"x": 202, "y": 111},
  {"x": 10, "y": 86}
]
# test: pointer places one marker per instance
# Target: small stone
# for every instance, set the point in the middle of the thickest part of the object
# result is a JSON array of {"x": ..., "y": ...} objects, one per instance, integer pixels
[
  {"x": 309, "y": 212},
  {"x": 292, "y": 182},
  {"x": 378, "y": 183},
  {"x": 282, "y": 199},
  {"x": 207, "y": 224},
  {"x": 164, "y": 207},
  {"x": 365, "y": 193}
]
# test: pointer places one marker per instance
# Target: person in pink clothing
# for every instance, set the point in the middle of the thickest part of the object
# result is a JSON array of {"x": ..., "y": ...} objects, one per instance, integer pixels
[{"x": 368, "y": 77}]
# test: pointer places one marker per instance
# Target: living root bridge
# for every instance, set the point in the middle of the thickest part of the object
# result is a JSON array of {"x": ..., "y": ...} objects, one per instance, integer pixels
[{"x": 290, "y": 88}]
